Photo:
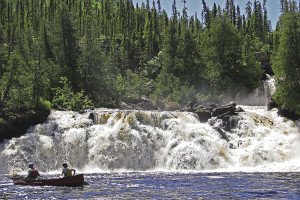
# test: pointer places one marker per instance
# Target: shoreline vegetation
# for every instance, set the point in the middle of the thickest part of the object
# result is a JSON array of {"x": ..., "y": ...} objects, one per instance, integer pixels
[{"x": 80, "y": 54}]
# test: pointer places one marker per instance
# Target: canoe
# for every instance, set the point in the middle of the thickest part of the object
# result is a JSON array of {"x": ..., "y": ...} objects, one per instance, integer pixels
[{"x": 71, "y": 181}]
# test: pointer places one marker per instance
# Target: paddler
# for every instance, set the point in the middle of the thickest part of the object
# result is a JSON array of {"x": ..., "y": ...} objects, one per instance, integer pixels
[
  {"x": 66, "y": 172},
  {"x": 32, "y": 172}
]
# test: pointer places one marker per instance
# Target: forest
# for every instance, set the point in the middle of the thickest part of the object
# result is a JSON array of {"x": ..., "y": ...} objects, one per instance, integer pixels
[{"x": 77, "y": 54}]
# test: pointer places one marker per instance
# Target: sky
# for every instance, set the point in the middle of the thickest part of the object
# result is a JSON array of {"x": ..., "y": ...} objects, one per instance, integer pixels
[{"x": 193, "y": 6}]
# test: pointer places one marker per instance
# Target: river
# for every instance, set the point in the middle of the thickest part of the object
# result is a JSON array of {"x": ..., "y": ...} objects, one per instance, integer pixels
[{"x": 166, "y": 185}]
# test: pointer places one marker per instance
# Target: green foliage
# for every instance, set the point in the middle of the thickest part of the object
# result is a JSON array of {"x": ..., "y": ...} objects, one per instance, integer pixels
[
  {"x": 133, "y": 85},
  {"x": 45, "y": 103},
  {"x": 98, "y": 78},
  {"x": 16, "y": 87},
  {"x": 66, "y": 98},
  {"x": 111, "y": 51},
  {"x": 170, "y": 89},
  {"x": 231, "y": 65},
  {"x": 224, "y": 56},
  {"x": 286, "y": 62}
]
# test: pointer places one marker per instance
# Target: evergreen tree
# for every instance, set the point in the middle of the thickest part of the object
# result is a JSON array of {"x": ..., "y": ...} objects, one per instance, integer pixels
[
  {"x": 205, "y": 13},
  {"x": 70, "y": 48},
  {"x": 239, "y": 20},
  {"x": 224, "y": 57},
  {"x": 286, "y": 62},
  {"x": 92, "y": 48}
]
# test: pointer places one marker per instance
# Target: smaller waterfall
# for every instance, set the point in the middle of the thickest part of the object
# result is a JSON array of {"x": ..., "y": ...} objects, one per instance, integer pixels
[
  {"x": 261, "y": 95},
  {"x": 269, "y": 86}
]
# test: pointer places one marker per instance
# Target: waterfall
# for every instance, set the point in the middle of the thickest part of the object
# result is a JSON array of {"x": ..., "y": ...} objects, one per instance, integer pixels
[
  {"x": 105, "y": 139},
  {"x": 269, "y": 86},
  {"x": 260, "y": 96}
]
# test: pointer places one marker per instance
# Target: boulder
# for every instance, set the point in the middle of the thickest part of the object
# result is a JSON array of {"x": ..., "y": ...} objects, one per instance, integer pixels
[
  {"x": 271, "y": 104},
  {"x": 230, "y": 121},
  {"x": 203, "y": 114},
  {"x": 93, "y": 117},
  {"x": 288, "y": 114},
  {"x": 138, "y": 104},
  {"x": 222, "y": 133},
  {"x": 292, "y": 115},
  {"x": 190, "y": 106},
  {"x": 16, "y": 123},
  {"x": 227, "y": 109},
  {"x": 239, "y": 109}
]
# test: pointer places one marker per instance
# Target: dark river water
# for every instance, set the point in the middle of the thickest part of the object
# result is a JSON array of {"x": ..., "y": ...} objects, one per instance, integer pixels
[{"x": 162, "y": 185}]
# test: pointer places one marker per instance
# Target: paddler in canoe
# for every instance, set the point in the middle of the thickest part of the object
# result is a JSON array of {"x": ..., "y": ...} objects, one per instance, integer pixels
[
  {"x": 32, "y": 172},
  {"x": 69, "y": 179},
  {"x": 67, "y": 172}
]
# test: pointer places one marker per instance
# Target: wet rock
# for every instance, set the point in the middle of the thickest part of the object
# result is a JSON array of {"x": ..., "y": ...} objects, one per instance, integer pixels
[
  {"x": 239, "y": 109},
  {"x": 93, "y": 117},
  {"x": 288, "y": 114},
  {"x": 138, "y": 104},
  {"x": 222, "y": 133},
  {"x": 203, "y": 114},
  {"x": 190, "y": 106},
  {"x": 230, "y": 122},
  {"x": 227, "y": 109},
  {"x": 81, "y": 111},
  {"x": 224, "y": 124},
  {"x": 292, "y": 115},
  {"x": 15, "y": 123},
  {"x": 231, "y": 146},
  {"x": 271, "y": 104}
]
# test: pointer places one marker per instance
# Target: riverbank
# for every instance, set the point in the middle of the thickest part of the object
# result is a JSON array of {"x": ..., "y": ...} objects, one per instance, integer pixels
[{"x": 15, "y": 122}]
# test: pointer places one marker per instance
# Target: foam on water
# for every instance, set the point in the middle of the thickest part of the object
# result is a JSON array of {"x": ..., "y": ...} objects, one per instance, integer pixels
[{"x": 155, "y": 141}]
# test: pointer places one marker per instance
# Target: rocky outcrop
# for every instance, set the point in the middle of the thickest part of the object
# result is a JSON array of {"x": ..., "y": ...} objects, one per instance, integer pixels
[
  {"x": 283, "y": 112},
  {"x": 271, "y": 104},
  {"x": 221, "y": 118},
  {"x": 203, "y": 114},
  {"x": 14, "y": 123},
  {"x": 220, "y": 112},
  {"x": 288, "y": 114},
  {"x": 138, "y": 104}
]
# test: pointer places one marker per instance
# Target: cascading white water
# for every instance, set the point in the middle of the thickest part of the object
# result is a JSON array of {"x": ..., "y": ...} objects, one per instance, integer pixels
[
  {"x": 260, "y": 96},
  {"x": 152, "y": 140},
  {"x": 269, "y": 86}
]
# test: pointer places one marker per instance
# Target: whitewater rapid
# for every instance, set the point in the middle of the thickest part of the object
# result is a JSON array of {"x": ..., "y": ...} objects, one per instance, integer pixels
[{"x": 151, "y": 140}]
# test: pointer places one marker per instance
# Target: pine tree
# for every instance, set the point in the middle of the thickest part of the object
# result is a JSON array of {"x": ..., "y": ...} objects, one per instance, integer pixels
[
  {"x": 239, "y": 21},
  {"x": 214, "y": 10},
  {"x": 206, "y": 13},
  {"x": 287, "y": 62},
  {"x": 70, "y": 48},
  {"x": 266, "y": 21},
  {"x": 159, "y": 6}
]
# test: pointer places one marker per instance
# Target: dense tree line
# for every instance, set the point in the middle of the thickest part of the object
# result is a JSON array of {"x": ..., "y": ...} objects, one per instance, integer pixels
[
  {"x": 77, "y": 53},
  {"x": 286, "y": 58}
]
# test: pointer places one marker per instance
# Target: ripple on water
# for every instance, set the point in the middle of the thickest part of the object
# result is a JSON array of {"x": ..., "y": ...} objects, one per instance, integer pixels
[{"x": 166, "y": 185}]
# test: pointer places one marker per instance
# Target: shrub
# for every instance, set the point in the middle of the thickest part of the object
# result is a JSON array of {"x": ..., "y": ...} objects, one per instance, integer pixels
[{"x": 66, "y": 98}]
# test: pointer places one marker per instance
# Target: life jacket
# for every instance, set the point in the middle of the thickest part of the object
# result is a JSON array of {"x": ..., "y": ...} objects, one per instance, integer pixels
[
  {"x": 33, "y": 173},
  {"x": 68, "y": 172}
]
